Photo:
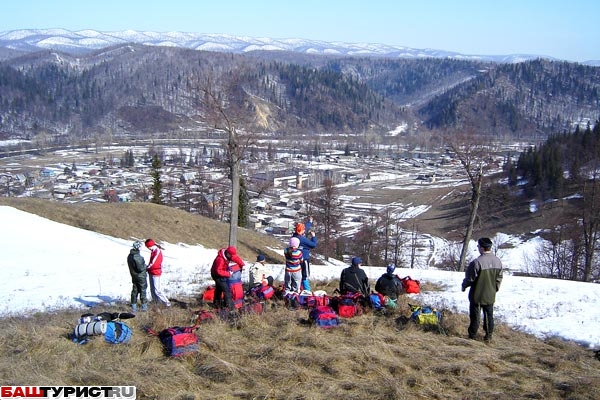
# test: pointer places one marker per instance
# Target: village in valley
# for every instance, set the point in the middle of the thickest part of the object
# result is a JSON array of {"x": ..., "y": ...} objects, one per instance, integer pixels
[{"x": 194, "y": 180}]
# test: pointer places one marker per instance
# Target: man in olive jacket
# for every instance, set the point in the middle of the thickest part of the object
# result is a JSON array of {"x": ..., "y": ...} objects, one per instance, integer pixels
[
  {"x": 137, "y": 269},
  {"x": 483, "y": 276}
]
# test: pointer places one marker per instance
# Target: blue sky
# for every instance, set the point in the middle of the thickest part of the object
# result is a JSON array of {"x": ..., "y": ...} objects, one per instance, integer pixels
[{"x": 558, "y": 28}]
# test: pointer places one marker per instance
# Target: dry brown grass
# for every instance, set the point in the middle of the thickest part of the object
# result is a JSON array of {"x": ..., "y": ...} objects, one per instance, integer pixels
[{"x": 278, "y": 355}]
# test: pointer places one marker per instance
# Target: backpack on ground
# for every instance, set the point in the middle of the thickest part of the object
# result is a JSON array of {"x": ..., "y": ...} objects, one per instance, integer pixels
[
  {"x": 104, "y": 324},
  {"x": 348, "y": 305},
  {"x": 425, "y": 315},
  {"x": 179, "y": 341},
  {"x": 117, "y": 332},
  {"x": 291, "y": 300},
  {"x": 209, "y": 294},
  {"x": 308, "y": 299},
  {"x": 253, "y": 307},
  {"x": 324, "y": 317},
  {"x": 410, "y": 285},
  {"x": 262, "y": 292},
  {"x": 377, "y": 301},
  {"x": 204, "y": 316}
]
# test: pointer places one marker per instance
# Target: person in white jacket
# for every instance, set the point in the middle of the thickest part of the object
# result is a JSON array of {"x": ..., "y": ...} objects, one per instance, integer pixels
[{"x": 259, "y": 273}]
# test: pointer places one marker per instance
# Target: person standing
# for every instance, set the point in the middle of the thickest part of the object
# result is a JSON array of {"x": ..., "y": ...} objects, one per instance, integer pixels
[
  {"x": 137, "y": 269},
  {"x": 306, "y": 243},
  {"x": 354, "y": 280},
  {"x": 483, "y": 276},
  {"x": 389, "y": 284},
  {"x": 293, "y": 266},
  {"x": 154, "y": 269},
  {"x": 226, "y": 265},
  {"x": 259, "y": 274}
]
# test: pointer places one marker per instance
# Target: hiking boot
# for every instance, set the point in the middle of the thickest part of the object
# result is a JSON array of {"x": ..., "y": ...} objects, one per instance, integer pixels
[
  {"x": 134, "y": 307},
  {"x": 145, "y": 307}
]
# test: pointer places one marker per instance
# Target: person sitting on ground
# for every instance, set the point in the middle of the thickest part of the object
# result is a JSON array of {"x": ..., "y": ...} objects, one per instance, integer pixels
[
  {"x": 259, "y": 273},
  {"x": 354, "y": 280},
  {"x": 389, "y": 285}
]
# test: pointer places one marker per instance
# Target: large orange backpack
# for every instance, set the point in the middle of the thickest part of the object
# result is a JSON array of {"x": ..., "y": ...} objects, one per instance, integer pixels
[{"x": 410, "y": 285}]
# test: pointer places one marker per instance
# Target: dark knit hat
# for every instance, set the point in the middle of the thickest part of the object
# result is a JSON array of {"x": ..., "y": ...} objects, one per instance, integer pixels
[
  {"x": 485, "y": 243},
  {"x": 390, "y": 269},
  {"x": 356, "y": 261},
  {"x": 260, "y": 258}
]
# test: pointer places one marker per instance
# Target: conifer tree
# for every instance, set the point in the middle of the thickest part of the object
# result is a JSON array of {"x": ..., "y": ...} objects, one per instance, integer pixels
[{"x": 157, "y": 183}]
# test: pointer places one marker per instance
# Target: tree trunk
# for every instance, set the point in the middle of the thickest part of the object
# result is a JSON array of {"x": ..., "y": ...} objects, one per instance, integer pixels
[
  {"x": 474, "y": 206},
  {"x": 235, "y": 200}
]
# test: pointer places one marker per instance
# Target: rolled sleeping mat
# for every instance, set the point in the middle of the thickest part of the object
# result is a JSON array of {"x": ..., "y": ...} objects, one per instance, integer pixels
[{"x": 90, "y": 329}]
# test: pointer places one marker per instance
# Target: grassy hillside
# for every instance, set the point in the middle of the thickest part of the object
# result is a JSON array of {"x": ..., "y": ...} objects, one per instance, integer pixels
[
  {"x": 278, "y": 355},
  {"x": 146, "y": 220}
]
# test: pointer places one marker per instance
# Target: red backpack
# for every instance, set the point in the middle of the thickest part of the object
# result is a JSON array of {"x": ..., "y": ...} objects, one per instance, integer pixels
[
  {"x": 348, "y": 305},
  {"x": 323, "y": 317},
  {"x": 410, "y": 285},
  {"x": 209, "y": 294}
]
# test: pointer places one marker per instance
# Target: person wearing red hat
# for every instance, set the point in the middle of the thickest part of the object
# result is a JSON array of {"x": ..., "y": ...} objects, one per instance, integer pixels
[
  {"x": 154, "y": 269},
  {"x": 226, "y": 266}
]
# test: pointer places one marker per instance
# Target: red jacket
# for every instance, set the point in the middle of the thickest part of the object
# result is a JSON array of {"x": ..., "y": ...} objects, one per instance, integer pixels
[
  {"x": 224, "y": 268},
  {"x": 155, "y": 264}
]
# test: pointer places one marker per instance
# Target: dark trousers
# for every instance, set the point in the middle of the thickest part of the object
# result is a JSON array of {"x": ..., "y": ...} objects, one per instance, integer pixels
[
  {"x": 222, "y": 290},
  {"x": 475, "y": 315},
  {"x": 305, "y": 269},
  {"x": 139, "y": 288}
]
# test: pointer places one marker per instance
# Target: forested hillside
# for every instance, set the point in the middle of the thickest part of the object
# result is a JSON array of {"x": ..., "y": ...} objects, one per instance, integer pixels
[{"x": 133, "y": 89}]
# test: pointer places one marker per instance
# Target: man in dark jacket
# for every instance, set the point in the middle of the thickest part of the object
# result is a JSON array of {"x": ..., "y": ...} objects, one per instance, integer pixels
[
  {"x": 354, "y": 279},
  {"x": 483, "y": 276},
  {"x": 137, "y": 269},
  {"x": 389, "y": 284}
]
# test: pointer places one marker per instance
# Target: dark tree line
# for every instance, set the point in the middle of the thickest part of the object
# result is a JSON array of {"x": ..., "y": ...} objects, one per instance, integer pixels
[
  {"x": 568, "y": 160},
  {"x": 565, "y": 158}
]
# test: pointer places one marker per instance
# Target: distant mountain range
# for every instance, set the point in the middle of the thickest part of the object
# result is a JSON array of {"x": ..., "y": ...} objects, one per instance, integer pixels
[
  {"x": 64, "y": 84},
  {"x": 29, "y": 40}
]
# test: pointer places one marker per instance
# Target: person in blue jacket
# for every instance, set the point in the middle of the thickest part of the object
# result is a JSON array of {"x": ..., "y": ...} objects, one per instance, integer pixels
[{"x": 307, "y": 242}]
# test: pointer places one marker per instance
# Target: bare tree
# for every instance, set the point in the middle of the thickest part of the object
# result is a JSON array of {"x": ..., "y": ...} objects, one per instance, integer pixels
[
  {"x": 224, "y": 109},
  {"x": 590, "y": 224},
  {"x": 472, "y": 155}
]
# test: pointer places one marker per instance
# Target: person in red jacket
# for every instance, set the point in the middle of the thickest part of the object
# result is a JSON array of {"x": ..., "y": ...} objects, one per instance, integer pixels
[
  {"x": 154, "y": 269},
  {"x": 227, "y": 265}
]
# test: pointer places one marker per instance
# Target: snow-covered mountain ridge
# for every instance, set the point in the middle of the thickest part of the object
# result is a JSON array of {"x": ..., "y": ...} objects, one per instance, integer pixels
[{"x": 82, "y": 41}]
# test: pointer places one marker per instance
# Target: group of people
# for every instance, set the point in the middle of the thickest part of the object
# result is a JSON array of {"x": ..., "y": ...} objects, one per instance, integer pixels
[
  {"x": 483, "y": 276},
  {"x": 142, "y": 274},
  {"x": 297, "y": 257}
]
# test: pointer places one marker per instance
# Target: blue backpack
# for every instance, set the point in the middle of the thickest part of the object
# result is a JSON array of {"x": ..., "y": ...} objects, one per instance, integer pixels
[{"x": 117, "y": 332}]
